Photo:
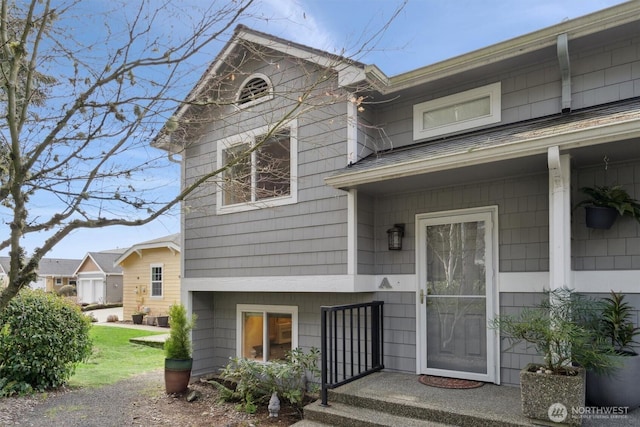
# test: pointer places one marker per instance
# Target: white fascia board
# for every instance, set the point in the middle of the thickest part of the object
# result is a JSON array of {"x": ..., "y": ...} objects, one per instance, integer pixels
[
  {"x": 585, "y": 281},
  {"x": 347, "y": 73},
  {"x": 139, "y": 248},
  {"x": 204, "y": 80},
  {"x": 523, "y": 148},
  {"x": 330, "y": 283},
  {"x": 346, "y": 283}
]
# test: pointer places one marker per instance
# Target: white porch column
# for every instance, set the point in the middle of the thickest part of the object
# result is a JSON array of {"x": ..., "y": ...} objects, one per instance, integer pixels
[
  {"x": 352, "y": 231},
  {"x": 559, "y": 219}
]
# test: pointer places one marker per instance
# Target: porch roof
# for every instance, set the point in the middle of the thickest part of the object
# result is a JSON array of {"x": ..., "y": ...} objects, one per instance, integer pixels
[{"x": 579, "y": 128}]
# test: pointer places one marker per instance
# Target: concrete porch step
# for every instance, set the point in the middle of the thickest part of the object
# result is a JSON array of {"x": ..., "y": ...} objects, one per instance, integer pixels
[
  {"x": 393, "y": 399},
  {"x": 340, "y": 414}
]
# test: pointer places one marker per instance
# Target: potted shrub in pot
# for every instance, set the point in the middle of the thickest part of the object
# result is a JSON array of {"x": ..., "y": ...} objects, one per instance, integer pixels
[
  {"x": 606, "y": 203},
  {"x": 619, "y": 387},
  {"x": 177, "y": 348},
  {"x": 550, "y": 390}
]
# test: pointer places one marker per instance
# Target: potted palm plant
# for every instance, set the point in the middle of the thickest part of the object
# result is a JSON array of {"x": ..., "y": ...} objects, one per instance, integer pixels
[
  {"x": 550, "y": 390},
  {"x": 606, "y": 203},
  {"x": 614, "y": 324},
  {"x": 177, "y": 348}
]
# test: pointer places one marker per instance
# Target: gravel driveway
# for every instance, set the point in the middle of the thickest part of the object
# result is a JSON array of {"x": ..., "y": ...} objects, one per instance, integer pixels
[{"x": 124, "y": 403}]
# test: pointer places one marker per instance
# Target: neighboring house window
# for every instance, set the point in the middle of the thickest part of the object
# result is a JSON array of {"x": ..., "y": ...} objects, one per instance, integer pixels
[
  {"x": 258, "y": 176},
  {"x": 58, "y": 281},
  {"x": 458, "y": 112},
  {"x": 256, "y": 88},
  {"x": 156, "y": 280},
  {"x": 266, "y": 332}
]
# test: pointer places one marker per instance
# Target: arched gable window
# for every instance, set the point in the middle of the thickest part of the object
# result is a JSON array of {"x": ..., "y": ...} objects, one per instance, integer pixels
[{"x": 256, "y": 88}]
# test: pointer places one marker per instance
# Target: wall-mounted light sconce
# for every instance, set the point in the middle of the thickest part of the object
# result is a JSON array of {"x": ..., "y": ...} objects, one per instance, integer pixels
[{"x": 395, "y": 235}]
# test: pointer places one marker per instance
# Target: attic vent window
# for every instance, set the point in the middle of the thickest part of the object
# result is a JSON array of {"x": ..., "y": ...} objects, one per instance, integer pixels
[
  {"x": 455, "y": 113},
  {"x": 255, "y": 89}
]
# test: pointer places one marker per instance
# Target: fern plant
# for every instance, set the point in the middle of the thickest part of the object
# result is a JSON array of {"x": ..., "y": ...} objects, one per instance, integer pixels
[{"x": 614, "y": 197}]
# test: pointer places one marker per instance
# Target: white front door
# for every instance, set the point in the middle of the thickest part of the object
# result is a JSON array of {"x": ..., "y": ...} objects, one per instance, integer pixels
[{"x": 457, "y": 294}]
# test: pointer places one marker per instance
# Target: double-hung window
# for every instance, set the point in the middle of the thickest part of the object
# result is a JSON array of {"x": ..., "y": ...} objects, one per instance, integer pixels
[
  {"x": 156, "y": 280},
  {"x": 266, "y": 332},
  {"x": 260, "y": 169}
]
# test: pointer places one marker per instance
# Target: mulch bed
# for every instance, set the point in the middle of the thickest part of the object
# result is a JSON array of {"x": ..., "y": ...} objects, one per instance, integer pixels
[{"x": 443, "y": 382}]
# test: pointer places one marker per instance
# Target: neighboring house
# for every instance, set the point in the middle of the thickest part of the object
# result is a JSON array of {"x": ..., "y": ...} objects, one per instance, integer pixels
[
  {"x": 483, "y": 153},
  {"x": 99, "y": 280},
  {"x": 4, "y": 271},
  {"x": 53, "y": 273},
  {"x": 151, "y": 276}
]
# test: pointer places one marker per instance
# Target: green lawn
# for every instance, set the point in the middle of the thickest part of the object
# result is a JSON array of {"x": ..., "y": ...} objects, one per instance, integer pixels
[{"x": 115, "y": 358}]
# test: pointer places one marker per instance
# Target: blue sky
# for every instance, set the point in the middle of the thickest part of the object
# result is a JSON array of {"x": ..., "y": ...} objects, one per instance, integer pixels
[{"x": 425, "y": 32}]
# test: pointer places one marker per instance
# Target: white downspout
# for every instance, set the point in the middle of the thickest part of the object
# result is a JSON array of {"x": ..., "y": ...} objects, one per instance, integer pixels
[
  {"x": 352, "y": 132},
  {"x": 352, "y": 195},
  {"x": 559, "y": 219},
  {"x": 565, "y": 71}
]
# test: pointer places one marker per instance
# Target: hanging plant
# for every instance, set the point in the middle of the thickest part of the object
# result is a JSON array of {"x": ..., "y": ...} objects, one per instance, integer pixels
[{"x": 606, "y": 203}]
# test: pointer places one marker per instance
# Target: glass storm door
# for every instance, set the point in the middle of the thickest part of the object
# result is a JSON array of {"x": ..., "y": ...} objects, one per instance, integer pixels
[{"x": 456, "y": 295}]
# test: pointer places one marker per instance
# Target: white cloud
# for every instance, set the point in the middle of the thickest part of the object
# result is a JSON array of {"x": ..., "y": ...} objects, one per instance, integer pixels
[{"x": 295, "y": 22}]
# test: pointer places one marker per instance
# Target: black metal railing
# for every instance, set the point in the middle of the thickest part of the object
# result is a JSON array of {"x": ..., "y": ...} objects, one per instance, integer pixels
[{"x": 352, "y": 343}]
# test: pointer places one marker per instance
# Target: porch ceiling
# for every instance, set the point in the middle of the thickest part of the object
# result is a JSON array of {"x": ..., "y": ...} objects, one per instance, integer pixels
[{"x": 501, "y": 152}]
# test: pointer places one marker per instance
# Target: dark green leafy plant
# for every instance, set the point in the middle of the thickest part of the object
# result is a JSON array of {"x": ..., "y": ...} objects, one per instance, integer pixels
[
  {"x": 614, "y": 197},
  {"x": 42, "y": 338},
  {"x": 556, "y": 329},
  {"x": 178, "y": 345},
  {"x": 616, "y": 324},
  {"x": 255, "y": 381}
]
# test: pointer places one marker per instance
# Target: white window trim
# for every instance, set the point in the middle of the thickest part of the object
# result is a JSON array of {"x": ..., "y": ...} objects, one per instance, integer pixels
[
  {"x": 256, "y": 101},
  {"x": 249, "y": 137},
  {"x": 265, "y": 309},
  {"x": 151, "y": 267},
  {"x": 494, "y": 92}
]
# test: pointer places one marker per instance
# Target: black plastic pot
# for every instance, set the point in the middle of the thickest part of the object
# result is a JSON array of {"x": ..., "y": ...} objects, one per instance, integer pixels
[
  {"x": 137, "y": 319},
  {"x": 163, "y": 321},
  {"x": 600, "y": 217}
]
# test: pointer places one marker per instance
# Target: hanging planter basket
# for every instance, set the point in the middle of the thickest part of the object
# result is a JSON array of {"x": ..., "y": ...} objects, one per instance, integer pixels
[{"x": 600, "y": 217}]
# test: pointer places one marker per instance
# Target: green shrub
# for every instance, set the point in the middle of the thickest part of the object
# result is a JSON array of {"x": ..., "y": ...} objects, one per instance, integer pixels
[
  {"x": 255, "y": 380},
  {"x": 67, "y": 291},
  {"x": 42, "y": 338},
  {"x": 178, "y": 345}
]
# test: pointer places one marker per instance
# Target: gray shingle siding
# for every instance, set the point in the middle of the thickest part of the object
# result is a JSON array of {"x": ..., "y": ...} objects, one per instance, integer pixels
[
  {"x": 619, "y": 247},
  {"x": 308, "y": 237},
  {"x": 215, "y": 335},
  {"x": 523, "y": 221}
]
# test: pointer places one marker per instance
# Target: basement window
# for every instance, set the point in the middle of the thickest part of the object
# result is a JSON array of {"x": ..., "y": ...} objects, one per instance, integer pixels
[
  {"x": 256, "y": 88},
  {"x": 456, "y": 113},
  {"x": 266, "y": 332}
]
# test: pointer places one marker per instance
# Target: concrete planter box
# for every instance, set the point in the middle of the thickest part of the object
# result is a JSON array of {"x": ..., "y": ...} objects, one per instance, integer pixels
[
  {"x": 545, "y": 397},
  {"x": 618, "y": 388}
]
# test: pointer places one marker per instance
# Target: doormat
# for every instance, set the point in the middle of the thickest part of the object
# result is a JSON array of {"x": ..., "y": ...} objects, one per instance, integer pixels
[{"x": 443, "y": 382}]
